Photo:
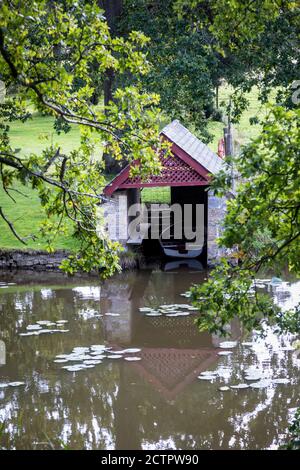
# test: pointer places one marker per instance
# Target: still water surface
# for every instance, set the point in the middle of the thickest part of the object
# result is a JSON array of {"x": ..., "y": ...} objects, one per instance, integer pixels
[{"x": 154, "y": 403}]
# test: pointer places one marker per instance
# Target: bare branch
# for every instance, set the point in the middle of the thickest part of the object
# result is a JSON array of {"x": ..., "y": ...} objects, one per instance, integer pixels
[{"x": 11, "y": 226}]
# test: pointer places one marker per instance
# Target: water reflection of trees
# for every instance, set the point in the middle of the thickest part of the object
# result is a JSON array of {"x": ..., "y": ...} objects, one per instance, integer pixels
[{"x": 113, "y": 405}]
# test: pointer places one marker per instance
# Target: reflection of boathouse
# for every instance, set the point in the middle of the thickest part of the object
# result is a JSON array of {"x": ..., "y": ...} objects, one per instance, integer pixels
[
  {"x": 173, "y": 352},
  {"x": 187, "y": 173}
]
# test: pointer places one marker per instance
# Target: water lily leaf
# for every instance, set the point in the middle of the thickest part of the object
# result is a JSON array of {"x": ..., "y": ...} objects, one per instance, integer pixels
[
  {"x": 261, "y": 384},
  {"x": 207, "y": 377},
  {"x": 224, "y": 389},
  {"x": 228, "y": 344},
  {"x": 248, "y": 344},
  {"x": 60, "y": 361},
  {"x": 92, "y": 361},
  {"x": 76, "y": 368},
  {"x": 33, "y": 333},
  {"x": 77, "y": 357},
  {"x": 99, "y": 356},
  {"x": 208, "y": 373},
  {"x": 132, "y": 358},
  {"x": 253, "y": 377},
  {"x": 16, "y": 384},
  {"x": 145, "y": 309},
  {"x": 239, "y": 386},
  {"x": 4, "y": 385},
  {"x": 225, "y": 353},
  {"x": 33, "y": 327},
  {"x": 282, "y": 381},
  {"x": 132, "y": 350},
  {"x": 62, "y": 321},
  {"x": 112, "y": 314},
  {"x": 114, "y": 356}
]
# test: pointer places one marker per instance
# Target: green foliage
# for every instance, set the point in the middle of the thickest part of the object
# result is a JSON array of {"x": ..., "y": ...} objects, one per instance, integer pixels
[
  {"x": 263, "y": 220},
  {"x": 184, "y": 68},
  {"x": 48, "y": 53},
  {"x": 226, "y": 296},
  {"x": 294, "y": 431},
  {"x": 256, "y": 41},
  {"x": 261, "y": 227}
]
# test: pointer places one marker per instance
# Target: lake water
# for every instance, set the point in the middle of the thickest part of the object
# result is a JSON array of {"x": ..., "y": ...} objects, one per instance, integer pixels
[{"x": 156, "y": 402}]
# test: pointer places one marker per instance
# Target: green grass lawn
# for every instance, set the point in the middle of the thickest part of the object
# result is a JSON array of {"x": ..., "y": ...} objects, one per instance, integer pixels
[
  {"x": 26, "y": 215},
  {"x": 243, "y": 131},
  {"x": 38, "y": 133}
]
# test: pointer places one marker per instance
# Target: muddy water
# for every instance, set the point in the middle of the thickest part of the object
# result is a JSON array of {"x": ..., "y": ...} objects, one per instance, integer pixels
[{"x": 154, "y": 403}]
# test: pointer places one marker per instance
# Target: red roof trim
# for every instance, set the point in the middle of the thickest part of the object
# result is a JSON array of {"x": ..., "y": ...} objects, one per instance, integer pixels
[{"x": 119, "y": 181}]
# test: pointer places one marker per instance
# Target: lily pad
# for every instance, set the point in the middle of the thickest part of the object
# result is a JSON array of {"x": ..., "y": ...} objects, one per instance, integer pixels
[
  {"x": 282, "y": 381},
  {"x": 253, "y": 377},
  {"x": 239, "y": 386},
  {"x": 247, "y": 344},
  {"x": 118, "y": 352},
  {"x": 114, "y": 356},
  {"x": 16, "y": 384},
  {"x": 208, "y": 373},
  {"x": 112, "y": 314},
  {"x": 97, "y": 356},
  {"x": 261, "y": 384},
  {"x": 4, "y": 385},
  {"x": 94, "y": 362},
  {"x": 132, "y": 350},
  {"x": 225, "y": 353},
  {"x": 132, "y": 358},
  {"x": 33, "y": 327},
  {"x": 207, "y": 377},
  {"x": 73, "y": 368},
  {"x": 228, "y": 344},
  {"x": 33, "y": 333},
  {"x": 224, "y": 389}
]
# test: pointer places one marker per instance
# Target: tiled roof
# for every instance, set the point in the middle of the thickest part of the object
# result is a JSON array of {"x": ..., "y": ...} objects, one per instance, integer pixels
[{"x": 188, "y": 142}]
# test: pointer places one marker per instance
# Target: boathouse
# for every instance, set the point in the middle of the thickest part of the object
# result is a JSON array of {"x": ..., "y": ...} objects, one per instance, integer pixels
[{"x": 187, "y": 172}]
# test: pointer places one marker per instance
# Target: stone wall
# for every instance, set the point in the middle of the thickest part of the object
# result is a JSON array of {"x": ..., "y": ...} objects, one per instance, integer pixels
[
  {"x": 31, "y": 259},
  {"x": 216, "y": 213},
  {"x": 115, "y": 217},
  {"x": 39, "y": 260}
]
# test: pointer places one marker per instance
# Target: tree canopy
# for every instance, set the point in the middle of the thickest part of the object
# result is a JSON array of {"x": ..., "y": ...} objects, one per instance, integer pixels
[{"x": 47, "y": 56}]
